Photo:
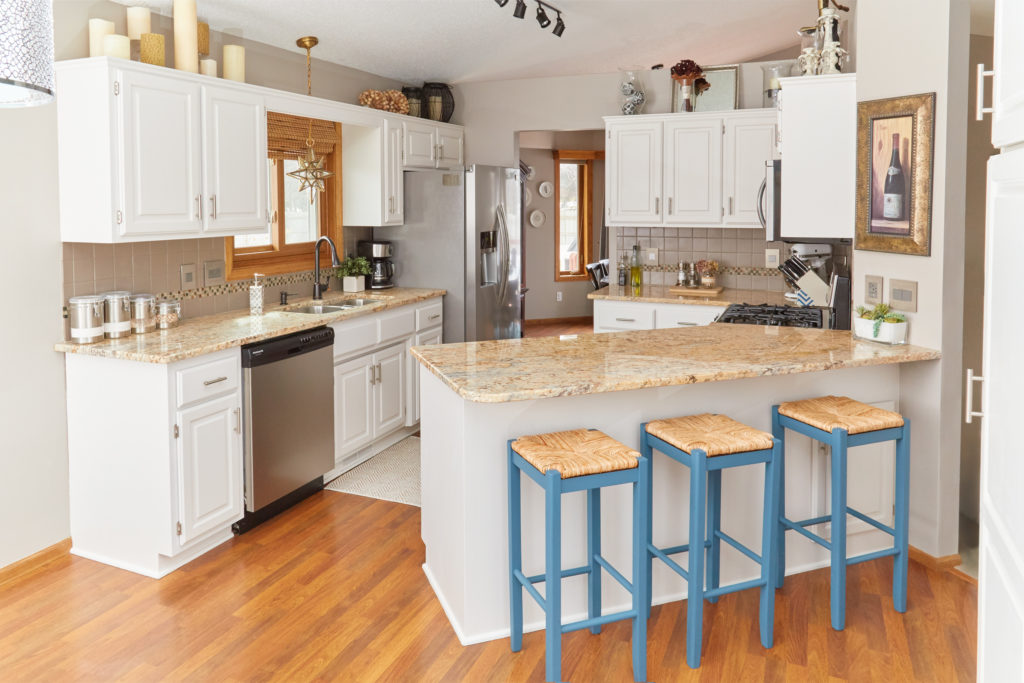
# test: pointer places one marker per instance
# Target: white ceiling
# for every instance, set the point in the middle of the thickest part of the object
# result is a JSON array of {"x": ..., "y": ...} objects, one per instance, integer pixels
[{"x": 475, "y": 40}]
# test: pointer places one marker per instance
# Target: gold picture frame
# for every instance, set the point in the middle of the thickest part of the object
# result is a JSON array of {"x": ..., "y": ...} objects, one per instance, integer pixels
[{"x": 894, "y": 222}]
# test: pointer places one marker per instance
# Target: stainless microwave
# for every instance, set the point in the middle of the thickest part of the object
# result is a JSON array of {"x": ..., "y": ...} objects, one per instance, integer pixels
[{"x": 769, "y": 201}]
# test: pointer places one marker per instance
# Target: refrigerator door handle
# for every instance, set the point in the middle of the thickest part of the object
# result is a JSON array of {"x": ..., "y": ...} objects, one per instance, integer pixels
[
  {"x": 760, "y": 202},
  {"x": 504, "y": 251}
]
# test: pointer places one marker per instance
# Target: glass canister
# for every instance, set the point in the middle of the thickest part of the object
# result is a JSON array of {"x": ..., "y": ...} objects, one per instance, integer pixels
[
  {"x": 117, "y": 314},
  {"x": 772, "y": 73},
  {"x": 168, "y": 314},
  {"x": 143, "y": 313},
  {"x": 85, "y": 314}
]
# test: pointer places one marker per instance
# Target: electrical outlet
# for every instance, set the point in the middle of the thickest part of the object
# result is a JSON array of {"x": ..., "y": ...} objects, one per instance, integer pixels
[
  {"x": 652, "y": 256},
  {"x": 771, "y": 258},
  {"x": 903, "y": 295},
  {"x": 558, "y": 297},
  {"x": 873, "y": 289},
  {"x": 188, "y": 276}
]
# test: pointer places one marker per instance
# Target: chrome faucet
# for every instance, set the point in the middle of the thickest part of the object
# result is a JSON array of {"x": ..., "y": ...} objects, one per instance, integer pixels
[{"x": 318, "y": 286}]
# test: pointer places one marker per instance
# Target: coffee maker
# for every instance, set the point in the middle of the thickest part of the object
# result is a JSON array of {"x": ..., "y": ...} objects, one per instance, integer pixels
[{"x": 379, "y": 252}]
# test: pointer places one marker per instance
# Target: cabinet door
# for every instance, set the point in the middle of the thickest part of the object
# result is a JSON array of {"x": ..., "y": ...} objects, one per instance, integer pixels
[
  {"x": 209, "y": 466},
  {"x": 394, "y": 213},
  {"x": 234, "y": 162},
  {"x": 1008, "y": 77},
  {"x": 159, "y": 135},
  {"x": 693, "y": 172},
  {"x": 422, "y": 339},
  {"x": 353, "y": 405},
  {"x": 449, "y": 148},
  {"x": 419, "y": 144},
  {"x": 749, "y": 143},
  {"x": 674, "y": 316},
  {"x": 389, "y": 399},
  {"x": 633, "y": 173}
]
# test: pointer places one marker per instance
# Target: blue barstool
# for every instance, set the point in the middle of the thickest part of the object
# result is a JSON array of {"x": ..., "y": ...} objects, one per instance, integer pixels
[
  {"x": 843, "y": 423},
  {"x": 562, "y": 462},
  {"x": 708, "y": 444}
]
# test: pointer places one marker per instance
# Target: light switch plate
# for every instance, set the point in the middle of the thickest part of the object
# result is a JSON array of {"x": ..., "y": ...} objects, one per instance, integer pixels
[
  {"x": 188, "y": 276},
  {"x": 771, "y": 258},
  {"x": 903, "y": 295},
  {"x": 213, "y": 273},
  {"x": 873, "y": 289},
  {"x": 652, "y": 256}
]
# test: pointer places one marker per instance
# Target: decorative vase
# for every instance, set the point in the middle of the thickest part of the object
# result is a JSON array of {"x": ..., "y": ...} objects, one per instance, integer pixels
[
  {"x": 439, "y": 100},
  {"x": 707, "y": 280},
  {"x": 353, "y": 283},
  {"x": 687, "y": 92},
  {"x": 887, "y": 333},
  {"x": 633, "y": 95}
]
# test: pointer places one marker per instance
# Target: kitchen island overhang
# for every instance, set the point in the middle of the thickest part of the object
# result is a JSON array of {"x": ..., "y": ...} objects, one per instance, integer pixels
[{"x": 475, "y": 396}]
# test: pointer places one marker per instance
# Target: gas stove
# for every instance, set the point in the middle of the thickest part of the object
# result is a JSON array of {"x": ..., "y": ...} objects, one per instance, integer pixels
[{"x": 765, "y": 314}]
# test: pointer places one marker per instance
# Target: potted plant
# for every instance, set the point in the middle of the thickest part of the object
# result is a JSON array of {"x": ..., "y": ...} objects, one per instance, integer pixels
[
  {"x": 881, "y": 324},
  {"x": 708, "y": 270},
  {"x": 352, "y": 272}
]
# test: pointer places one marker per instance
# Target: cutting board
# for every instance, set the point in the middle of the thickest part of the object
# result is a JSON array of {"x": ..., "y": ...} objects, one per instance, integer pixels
[{"x": 696, "y": 291}]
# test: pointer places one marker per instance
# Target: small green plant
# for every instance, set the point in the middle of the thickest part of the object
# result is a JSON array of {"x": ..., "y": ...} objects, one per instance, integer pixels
[
  {"x": 881, "y": 313},
  {"x": 354, "y": 266}
]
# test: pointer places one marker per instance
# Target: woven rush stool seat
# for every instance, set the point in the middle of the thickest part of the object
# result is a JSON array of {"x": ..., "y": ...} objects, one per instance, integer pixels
[
  {"x": 839, "y": 412},
  {"x": 575, "y": 453},
  {"x": 713, "y": 434}
]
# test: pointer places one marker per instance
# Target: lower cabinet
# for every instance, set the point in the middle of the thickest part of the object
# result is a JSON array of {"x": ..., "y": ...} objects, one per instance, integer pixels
[
  {"x": 618, "y": 316},
  {"x": 422, "y": 339},
  {"x": 369, "y": 398}
]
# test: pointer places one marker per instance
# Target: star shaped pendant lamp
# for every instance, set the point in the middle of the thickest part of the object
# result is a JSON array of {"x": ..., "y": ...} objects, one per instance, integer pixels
[{"x": 311, "y": 173}]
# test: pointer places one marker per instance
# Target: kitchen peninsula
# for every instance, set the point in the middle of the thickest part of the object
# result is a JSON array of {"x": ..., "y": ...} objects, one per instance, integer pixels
[{"x": 475, "y": 396}]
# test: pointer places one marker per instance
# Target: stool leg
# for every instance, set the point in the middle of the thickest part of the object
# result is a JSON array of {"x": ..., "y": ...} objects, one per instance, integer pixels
[
  {"x": 647, "y": 452},
  {"x": 779, "y": 552},
  {"x": 641, "y": 591},
  {"x": 515, "y": 553},
  {"x": 593, "y": 550},
  {"x": 694, "y": 586},
  {"x": 714, "y": 525},
  {"x": 553, "y": 575},
  {"x": 838, "y": 559},
  {"x": 901, "y": 560},
  {"x": 768, "y": 541}
]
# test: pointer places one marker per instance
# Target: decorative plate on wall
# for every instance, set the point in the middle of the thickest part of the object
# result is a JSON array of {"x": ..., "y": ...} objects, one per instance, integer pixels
[
  {"x": 537, "y": 218},
  {"x": 530, "y": 172},
  {"x": 546, "y": 189}
]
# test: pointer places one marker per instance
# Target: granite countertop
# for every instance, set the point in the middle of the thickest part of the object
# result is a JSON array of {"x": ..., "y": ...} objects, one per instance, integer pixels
[
  {"x": 199, "y": 336},
  {"x": 544, "y": 367},
  {"x": 659, "y": 294}
]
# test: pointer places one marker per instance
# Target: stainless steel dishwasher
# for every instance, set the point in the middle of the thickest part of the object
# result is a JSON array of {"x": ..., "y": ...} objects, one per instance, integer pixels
[{"x": 288, "y": 399}]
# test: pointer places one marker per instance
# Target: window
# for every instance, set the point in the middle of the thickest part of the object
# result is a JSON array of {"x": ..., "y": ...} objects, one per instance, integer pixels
[
  {"x": 295, "y": 222},
  {"x": 574, "y": 212}
]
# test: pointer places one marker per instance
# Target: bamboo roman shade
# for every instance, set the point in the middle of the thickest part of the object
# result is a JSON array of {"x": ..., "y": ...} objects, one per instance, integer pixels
[{"x": 286, "y": 136}]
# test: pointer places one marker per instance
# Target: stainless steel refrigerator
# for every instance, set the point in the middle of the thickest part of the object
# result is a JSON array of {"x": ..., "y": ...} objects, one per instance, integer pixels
[{"x": 462, "y": 232}]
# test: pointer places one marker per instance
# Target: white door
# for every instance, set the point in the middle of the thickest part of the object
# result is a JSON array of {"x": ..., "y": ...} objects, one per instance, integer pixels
[
  {"x": 209, "y": 466},
  {"x": 389, "y": 400},
  {"x": 353, "y": 405},
  {"x": 394, "y": 213},
  {"x": 419, "y": 145},
  {"x": 1008, "y": 77},
  {"x": 160, "y": 151},
  {"x": 1001, "y": 560},
  {"x": 749, "y": 143},
  {"x": 422, "y": 339},
  {"x": 693, "y": 172},
  {"x": 449, "y": 148},
  {"x": 234, "y": 162},
  {"x": 633, "y": 173}
]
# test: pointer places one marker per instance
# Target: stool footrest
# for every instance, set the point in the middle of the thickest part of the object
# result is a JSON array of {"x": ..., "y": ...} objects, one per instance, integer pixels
[
  {"x": 528, "y": 585},
  {"x": 739, "y": 546},
  {"x": 598, "y": 621},
  {"x": 566, "y": 573},
  {"x": 734, "y": 588},
  {"x": 676, "y": 549},
  {"x": 873, "y": 522},
  {"x": 614, "y": 573},
  {"x": 888, "y": 552},
  {"x": 672, "y": 564},
  {"x": 799, "y": 527}
]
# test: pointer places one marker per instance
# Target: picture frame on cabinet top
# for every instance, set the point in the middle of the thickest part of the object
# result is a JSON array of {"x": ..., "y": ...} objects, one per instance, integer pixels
[{"x": 723, "y": 95}]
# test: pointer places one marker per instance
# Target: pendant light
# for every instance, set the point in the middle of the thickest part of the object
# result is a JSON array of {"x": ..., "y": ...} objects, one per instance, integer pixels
[
  {"x": 311, "y": 173},
  {"x": 26, "y": 52}
]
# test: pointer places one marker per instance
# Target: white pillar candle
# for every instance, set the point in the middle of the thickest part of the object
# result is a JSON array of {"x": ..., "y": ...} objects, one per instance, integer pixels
[
  {"x": 116, "y": 45},
  {"x": 138, "y": 22},
  {"x": 208, "y": 67},
  {"x": 186, "y": 36},
  {"x": 234, "y": 63},
  {"x": 98, "y": 28}
]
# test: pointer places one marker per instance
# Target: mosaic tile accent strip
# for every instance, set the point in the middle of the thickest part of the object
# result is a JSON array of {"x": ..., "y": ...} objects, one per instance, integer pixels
[
  {"x": 725, "y": 270},
  {"x": 243, "y": 285}
]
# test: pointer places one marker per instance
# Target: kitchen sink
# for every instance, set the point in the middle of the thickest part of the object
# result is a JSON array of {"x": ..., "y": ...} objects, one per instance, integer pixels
[{"x": 321, "y": 309}]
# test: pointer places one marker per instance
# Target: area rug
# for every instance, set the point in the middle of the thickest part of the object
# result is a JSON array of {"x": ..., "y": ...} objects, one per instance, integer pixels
[{"x": 393, "y": 474}]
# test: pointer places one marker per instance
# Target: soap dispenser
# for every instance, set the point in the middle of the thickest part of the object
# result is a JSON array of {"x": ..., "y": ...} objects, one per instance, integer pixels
[{"x": 256, "y": 295}]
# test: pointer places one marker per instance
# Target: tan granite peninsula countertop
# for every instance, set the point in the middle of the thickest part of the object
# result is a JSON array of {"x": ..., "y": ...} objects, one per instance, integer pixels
[
  {"x": 659, "y": 294},
  {"x": 544, "y": 367},
  {"x": 209, "y": 333}
]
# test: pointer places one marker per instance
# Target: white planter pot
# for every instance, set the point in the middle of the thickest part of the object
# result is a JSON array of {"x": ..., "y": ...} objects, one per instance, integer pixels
[
  {"x": 888, "y": 333},
  {"x": 353, "y": 283}
]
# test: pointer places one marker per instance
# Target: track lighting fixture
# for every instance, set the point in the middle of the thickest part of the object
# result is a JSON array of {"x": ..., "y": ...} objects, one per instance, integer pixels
[
  {"x": 501, "y": 3},
  {"x": 542, "y": 16},
  {"x": 559, "y": 26},
  {"x": 520, "y": 10}
]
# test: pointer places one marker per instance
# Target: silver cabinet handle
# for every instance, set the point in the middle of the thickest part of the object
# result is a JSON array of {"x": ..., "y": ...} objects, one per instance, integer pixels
[
  {"x": 379, "y": 372},
  {"x": 626, "y": 320},
  {"x": 373, "y": 375},
  {"x": 213, "y": 206},
  {"x": 669, "y": 206},
  {"x": 657, "y": 205},
  {"x": 969, "y": 412},
  {"x": 979, "y": 104},
  {"x": 238, "y": 420},
  {"x": 434, "y": 317},
  {"x": 686, "y": 324},
  {"x": 730, "y": 206},
  {"x": 214, "y": 381},
  {"x": 199, "y": 206}
]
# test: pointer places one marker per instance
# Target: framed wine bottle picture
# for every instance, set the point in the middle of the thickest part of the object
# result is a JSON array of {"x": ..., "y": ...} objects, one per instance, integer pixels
[{"x": 895, "y": 141}]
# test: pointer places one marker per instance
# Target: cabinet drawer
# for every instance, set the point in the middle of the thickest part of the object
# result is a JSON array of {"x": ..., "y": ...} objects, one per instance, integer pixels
[
  {"x": 209, "y": 379},
  {"x": 354, "y": 335},
  {"x": 683, "y": 315},
  {"x": 429, "y": 316},
  {"x": 396, "y": 324},
  {"x": 623, "y": 316}
]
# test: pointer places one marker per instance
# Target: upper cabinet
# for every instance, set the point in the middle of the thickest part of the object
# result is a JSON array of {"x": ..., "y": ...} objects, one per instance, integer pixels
[
  {"x": 428, "y": 144},
  {"x": 147, "y": 156},
  {"x": 371, "y": 172},
  {"x": 687, "y": 169}
]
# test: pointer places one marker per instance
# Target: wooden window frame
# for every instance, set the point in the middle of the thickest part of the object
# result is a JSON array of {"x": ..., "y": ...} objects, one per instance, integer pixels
[
  {"x": 279, "y": 258},
  {"x": 584, "y": 158}
]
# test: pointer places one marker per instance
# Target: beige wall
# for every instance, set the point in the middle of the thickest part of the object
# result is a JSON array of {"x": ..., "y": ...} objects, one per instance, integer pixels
[{"x": 891, "y": 66}]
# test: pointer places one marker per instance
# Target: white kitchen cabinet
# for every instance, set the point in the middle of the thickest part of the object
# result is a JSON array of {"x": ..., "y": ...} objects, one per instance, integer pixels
[
  {"x": 1007, "y": 75},
  {"x": 616, "y": 316},
  {"x": 450, "y": 141},
  {"x": 371, "y": 171},
  {"x": 353, "y": 404},
  {"x": 693, "y": 191},
  {"x": 389, "y": 389},
  {"x": 633, "y": 168},
  {"x": 749, "y": 143},
  {"x": 673, "y": 316},
  {"x": 147, "y": 153},
  {"x": 432, "y": 145},
  {"x": 428, "y": 338},
  {"x": 394, "y": 184},
  {"x": 818, "y": 201}
]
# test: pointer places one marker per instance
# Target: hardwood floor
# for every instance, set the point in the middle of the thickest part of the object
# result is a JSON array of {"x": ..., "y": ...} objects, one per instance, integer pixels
[
  {"x": 545, "y": 328},
  {"x": 333, "y": 590}
]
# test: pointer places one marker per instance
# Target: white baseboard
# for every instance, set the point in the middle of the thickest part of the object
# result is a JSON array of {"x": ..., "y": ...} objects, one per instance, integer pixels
[{"x": 162, "y": 564}]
